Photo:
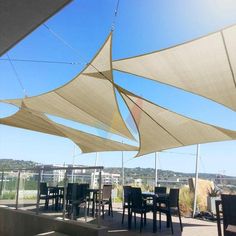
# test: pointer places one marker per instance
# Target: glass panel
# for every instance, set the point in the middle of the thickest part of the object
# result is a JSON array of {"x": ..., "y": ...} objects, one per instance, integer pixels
[
  {"x": 8, "y": 188},
  {"x": 28, "y": 190}
]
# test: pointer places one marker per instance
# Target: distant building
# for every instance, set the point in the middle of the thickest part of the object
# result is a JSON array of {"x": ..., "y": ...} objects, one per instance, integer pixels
[
  {"x": 55, "y": 176},
  {"x": 107, "y": 178},
  {"x": 52, "y": 176}
]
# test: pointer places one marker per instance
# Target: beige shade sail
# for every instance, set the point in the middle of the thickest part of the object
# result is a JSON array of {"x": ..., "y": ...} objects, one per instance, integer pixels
[
  {"x": 18, "y": 18},
  {"x": 89, "y": 98},
  {"x": 205, "y": 66},
  {"x": 161, "y": 129},
  {"x": 31, "y": 120}
]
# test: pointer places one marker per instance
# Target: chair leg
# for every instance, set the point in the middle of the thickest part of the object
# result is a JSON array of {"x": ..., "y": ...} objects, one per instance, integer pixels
[
  {"x": 88, "y": 206},
  {"x": 74, "y": 213},
  {"x": 141, "y": 223},
  {"x": 103, "y": 211},
  {"x": 123, "y": 215},
  {"x": 134, "y": 219},
  {"x": 159, "y": 220},
  {"x": 46, "y": 203},
  {"x": 145, "y": 218},
  {"x": 171, "y": 224},
  {"x": 111, "y": 210},
  {"x": 167, "y": 220},
  {"x": 180, "y": 221},
  {"x": 131, "y": 216}
]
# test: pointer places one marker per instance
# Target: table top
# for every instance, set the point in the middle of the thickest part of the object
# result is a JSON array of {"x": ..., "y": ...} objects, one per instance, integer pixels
[
  {"x": 152, "y": 194},
  {"x": 56, "y": 187},
  {"x": 93, "y": 190}
]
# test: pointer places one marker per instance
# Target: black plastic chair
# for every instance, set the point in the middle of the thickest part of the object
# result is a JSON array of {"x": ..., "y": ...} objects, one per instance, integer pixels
[
  {"x": 170, "y": 207},
  {"x": 44, "y": 194},
  {"x": 160, "y": 190},
  {"x": 79, "y": 198},
  {"x": 229, "y": 214},
  {"x": 69, "y": 193},
  {"x": 138, "y": 206},
  {"x": 126, "y": 195}
]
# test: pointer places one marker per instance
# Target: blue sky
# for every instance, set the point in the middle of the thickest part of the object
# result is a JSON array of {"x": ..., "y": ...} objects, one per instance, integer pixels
[{"x": 141, "y": 27}]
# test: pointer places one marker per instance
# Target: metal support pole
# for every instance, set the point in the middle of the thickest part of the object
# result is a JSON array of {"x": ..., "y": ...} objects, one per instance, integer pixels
[
  {"x": 196, "y": 180},
  {"x": 100, "y": 198},
  {"x": 2, "y": 183},
  {"x": 64, "y": 195},
  {"x": 156, "y": 156},
  {"x": 123, "y": 175},
  {"x": 94, "y": 174},
  {"x": 38, "y": 192},
  {"x": 123, "y": 170},
  {"x": 17, "y": 189},
  {"x": 73, "y": 163}
]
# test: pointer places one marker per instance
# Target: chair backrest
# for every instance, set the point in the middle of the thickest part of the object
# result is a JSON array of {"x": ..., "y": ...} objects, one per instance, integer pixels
[
  {"x": 174, "y": 197},
  {"x": 229, "y": 211},
  {"x": 69, "y": 190},
  {"x": 136, "y": 198},
  {"x": 106, "y": 192},
  {"x": 160, "y": 190},
  {"x": 43, "y": 188},
  {"x": 127, "y": 193},
  {"x": 82, "y": 191}
]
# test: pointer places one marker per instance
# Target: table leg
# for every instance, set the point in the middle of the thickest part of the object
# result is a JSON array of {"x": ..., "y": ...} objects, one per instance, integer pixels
[
  {"x": 154, "y": 215},
  {"x": 93, "y": 207},
  {"x": 217, "y": 203},
  {"x": 129, "y": 214}
]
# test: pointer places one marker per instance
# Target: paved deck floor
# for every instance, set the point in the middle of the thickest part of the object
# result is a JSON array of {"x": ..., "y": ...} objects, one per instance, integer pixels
[{"x": 191, "y": 227}]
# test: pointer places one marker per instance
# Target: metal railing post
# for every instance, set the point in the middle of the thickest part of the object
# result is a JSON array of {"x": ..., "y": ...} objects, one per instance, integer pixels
[
  {"x": 17, "y": 189},
  {"x": 38, "y": 191},
  {"x": 64, "y": 195},
  {"x": 196, "y": 181},
  {"x": 100, "y": 199},
  {"x": 2, "y": 183}
]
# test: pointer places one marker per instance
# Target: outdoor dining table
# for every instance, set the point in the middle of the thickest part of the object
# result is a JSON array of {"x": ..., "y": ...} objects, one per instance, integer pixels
[
  {"x": 56, "y": 191},
  {"x": 156, "y": 199}
]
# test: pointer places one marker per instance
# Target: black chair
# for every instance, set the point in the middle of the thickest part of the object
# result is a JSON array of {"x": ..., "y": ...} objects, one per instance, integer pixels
[
  {"x": 79, "y": 198},
  {"x": 126, "y": 196},
  {"x": 229, "y": 214},
  {"x": 138, "y": 206},
  {"x": 69, "y": 192},
  {"x": 160, "y": 190},
  {"x": 44, "y": 194},
  {"x": 171, "y": 206}
]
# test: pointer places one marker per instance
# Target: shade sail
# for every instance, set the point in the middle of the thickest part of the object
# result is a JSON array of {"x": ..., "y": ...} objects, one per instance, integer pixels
[
  {"x": 205, "y": 66},
  {"x": 161, "y": 129},
  {"x": 31, "y": 120},
  {"x": 18, "y": 18},
  {"x": 89, "y": 98}
]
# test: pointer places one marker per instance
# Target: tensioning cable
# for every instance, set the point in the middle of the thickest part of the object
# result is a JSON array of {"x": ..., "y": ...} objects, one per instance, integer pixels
[
  {"x": 17, "y": 75},
  {"x": 41, "y": 61}
]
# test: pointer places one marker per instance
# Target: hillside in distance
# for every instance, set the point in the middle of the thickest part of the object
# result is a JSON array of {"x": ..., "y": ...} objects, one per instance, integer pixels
[
  {"x": 15, "y": 164},
  {"x": 129, "y": 172}
]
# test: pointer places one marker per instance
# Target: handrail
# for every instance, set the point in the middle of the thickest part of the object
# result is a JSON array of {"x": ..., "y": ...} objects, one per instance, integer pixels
[{"x": 54, "y": 168}]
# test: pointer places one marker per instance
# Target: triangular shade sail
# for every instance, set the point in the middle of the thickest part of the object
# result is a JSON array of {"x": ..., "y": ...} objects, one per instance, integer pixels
[
  {"x": 28, "y": 119},
  {"x": 205, "y": 66},
  {"x": 18, "y": 18},
  {"x": 88, "y": 99},
  {"x": 161, "y": 129}
]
